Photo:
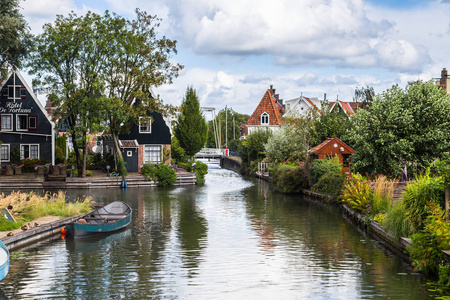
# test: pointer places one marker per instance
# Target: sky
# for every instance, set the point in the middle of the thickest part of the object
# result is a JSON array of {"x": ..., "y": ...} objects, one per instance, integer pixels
[{"x": 233, "y": 50}]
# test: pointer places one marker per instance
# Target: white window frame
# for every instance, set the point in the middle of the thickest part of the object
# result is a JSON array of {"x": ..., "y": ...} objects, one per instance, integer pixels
[
  {"x": 30, "y": 117},
  {"x": 11, "y": 122},
  {"x": 149, "y": 130},
  {"x": 22, "y": 156},
  {"x": 17, "y": 122},
  {"x": 264, "y": 116},
  {"x": 16, "y": 96},
  {"x": 148, "y": 154},
  {"x": 8, "y": 154}
]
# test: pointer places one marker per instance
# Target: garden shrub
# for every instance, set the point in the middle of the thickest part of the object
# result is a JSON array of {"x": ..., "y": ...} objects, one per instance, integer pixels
[
  {"x": 29, "y": 164},
  {"x": 320, "y": 167},
  {"x": 425, "y": 251},
  {"x": 357, "y": 193},
  {"x": 201, "y": 169},
  {"x": 330, "y": 183},
  {"x": 416, "y": 195},
  {"x": 149, "y": 172},
  {"x": 165, "y": 175},
  {"x": 289, "y": 179},
  {"x": 94, "y": 162}
]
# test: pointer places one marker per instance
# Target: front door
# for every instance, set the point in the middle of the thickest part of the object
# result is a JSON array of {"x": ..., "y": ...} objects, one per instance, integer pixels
[{"x": 130, "y": 157}]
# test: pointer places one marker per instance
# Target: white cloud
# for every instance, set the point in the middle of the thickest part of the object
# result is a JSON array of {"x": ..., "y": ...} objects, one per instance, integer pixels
[{"x": 309, "y": 32}]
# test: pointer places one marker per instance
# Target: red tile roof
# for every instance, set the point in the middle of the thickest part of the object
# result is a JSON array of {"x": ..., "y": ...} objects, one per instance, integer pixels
[
  {"x": 129, "y": 144},
  {"x": 269, "y": 105}
]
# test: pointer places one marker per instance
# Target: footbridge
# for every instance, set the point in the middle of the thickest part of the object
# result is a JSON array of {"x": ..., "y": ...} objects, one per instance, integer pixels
[{"x": 211, "y": 153}]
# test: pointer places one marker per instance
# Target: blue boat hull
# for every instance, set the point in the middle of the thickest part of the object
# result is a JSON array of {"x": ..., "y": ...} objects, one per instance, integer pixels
[
  {"x": 101, "y": 225},
  {"x": 4, "y": 268}
]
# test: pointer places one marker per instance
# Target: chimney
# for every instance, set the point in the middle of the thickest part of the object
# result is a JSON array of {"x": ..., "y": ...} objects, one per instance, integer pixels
[{"x": 443, "y": 81}]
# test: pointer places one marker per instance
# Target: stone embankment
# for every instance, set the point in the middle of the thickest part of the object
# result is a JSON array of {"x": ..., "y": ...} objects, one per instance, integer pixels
[{"x": 136, "y": 181}]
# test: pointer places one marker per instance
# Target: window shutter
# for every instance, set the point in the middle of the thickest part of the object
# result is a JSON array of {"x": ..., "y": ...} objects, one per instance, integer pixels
[{"x": 23, "y": 92}]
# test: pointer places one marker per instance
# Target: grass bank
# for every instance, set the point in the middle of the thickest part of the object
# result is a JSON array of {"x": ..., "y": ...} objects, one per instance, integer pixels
[{"x": 26, "y": 207}]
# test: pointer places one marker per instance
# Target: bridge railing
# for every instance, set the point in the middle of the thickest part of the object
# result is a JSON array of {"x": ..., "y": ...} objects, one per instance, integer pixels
[{"x": 211, "y": 152}]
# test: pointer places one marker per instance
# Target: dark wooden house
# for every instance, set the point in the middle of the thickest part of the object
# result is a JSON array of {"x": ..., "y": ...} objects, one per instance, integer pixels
[
  {"x": 147, "y": 142},
  {"x": 26, "y": 128},
  {"x": 334, "y": 147}
]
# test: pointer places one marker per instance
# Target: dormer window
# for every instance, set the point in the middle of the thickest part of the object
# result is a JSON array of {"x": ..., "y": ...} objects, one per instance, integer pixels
[
  {"x": 145, "y": 125},
  {"x": 264, "y": 118}
]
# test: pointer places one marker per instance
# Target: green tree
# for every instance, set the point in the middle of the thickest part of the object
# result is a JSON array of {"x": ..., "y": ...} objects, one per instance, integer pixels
[
  {"x": 15, "y": 37},
  {"x": 403, "y": 127},
  {"x": 253, "y": 147},
  {"x": 329, "y": 124},
  {"x": 95, "y": 67},
  {"x": 141, "y": 60},
  {"x": 190, "y": 128},
  {"x": 67, "y": 59}
]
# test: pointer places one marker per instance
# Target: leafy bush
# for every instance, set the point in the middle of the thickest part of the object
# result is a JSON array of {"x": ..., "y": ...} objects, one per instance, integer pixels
[
  {"x": 94, "y": 162},
  {"x": 357, "y": 193},
  {"x": 425, "y": 251},
  {"x": 165, "y": 175},
  {"x": 289, "y": 179},
  {"x": 252, "y": 148},
  {"x": 416, "y": 195},
  {"x": 59, "y": 155},
  {"x": 330, "y": 183},
  {"x": 288, "y": 143},
  {"x": 201, "y": 169},
  {"x": 320, "y": 167},
  {"x": 149, "y": 172}
]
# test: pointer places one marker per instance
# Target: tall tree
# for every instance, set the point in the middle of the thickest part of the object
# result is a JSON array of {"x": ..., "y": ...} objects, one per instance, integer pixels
[
  {"x": 68, "y": 60},
  {"x": 139, "y": 60},
  {"x": 95, "y": 67},
  {"x": 190, "y": 128},
  {"x": 403, "y": 127},
  {"x": 329, "y": 124},
  {"x": 15, "y": 37}
]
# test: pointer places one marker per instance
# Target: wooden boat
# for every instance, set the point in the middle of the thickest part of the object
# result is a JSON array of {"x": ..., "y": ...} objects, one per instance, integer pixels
[
  {"x": 4, "y": 261},
  {"x": 105, "y": 219}
]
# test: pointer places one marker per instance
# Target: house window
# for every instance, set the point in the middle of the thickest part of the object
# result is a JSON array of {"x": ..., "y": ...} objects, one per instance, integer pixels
[
  {"x": 32, "y": 122},
  {"x": 29, "y": 151},
  {"x": 145, "y": 125},
  {"x": 14, "y": 92},
  {"x": 4, "y": 152},
  {"x": 6, "y": 122},
  {"x": 22, "y": 122},
  {"x": 152, "y": 154},
  {"x": 264, "y": 118}
]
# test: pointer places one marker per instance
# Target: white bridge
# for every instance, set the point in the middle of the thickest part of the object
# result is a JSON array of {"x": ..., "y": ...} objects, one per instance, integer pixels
[{"x": 210, "y": 153}]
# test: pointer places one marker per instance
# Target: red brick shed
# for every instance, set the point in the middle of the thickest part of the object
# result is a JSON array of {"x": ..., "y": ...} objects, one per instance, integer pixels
[{"x": 334, "y": 147}]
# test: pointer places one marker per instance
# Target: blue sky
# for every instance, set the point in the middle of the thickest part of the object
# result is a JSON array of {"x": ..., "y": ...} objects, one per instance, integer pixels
[{"x": 233, "y": 50}]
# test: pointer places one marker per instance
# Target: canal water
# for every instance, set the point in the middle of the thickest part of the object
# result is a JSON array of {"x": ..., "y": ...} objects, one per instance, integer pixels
[{"x": 229, "y": 239}]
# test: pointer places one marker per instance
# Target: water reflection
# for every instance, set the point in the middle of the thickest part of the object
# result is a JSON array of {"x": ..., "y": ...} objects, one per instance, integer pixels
[{"x": 229, "y": 239}]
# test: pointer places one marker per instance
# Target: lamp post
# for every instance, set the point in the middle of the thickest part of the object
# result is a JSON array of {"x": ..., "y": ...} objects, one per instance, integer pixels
[
  {"x": 35, "y": 170},
  {"x": 73, "y": 170},
  {"x": 107, "y": 170}
]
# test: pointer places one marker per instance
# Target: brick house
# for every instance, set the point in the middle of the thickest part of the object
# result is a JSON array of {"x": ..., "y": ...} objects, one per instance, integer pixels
[{"x": 268, "y": 113}]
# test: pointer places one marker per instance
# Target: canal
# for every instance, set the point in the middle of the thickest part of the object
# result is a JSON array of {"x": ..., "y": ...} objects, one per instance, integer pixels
[{"x": 229, "y": 239}]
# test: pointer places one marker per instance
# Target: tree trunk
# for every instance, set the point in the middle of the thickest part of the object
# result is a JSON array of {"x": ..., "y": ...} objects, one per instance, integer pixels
[
  {"x": 77, "y": 154},
  {"x": 119, "y": 157},
  {"x": 84, "y": 154}
]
